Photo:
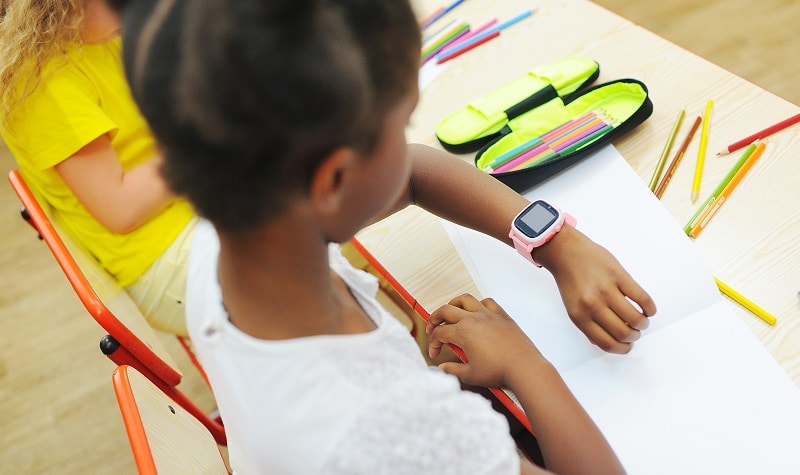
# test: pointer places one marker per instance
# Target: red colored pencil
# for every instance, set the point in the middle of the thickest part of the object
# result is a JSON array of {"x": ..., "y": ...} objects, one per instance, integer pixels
[
  {"x": 761, "y": 134},
  {"x": 460, "y": 51}
]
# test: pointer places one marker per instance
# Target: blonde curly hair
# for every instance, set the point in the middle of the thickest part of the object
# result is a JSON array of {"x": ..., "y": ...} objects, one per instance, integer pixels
[{"x": 31, "y": 33}]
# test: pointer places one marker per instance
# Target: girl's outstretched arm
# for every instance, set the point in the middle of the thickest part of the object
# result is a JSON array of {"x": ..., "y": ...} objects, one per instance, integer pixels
[{"x": 594, "y": 286}]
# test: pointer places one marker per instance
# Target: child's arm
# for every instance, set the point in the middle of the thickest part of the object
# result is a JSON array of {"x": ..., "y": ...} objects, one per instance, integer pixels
[
  {"x": 120, "y": 200},
  {"x": 593, "y": 284},
  {"x": 500, "y": 355}
]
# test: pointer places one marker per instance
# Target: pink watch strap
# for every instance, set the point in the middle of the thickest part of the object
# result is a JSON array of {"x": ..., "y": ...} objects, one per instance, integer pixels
[{"x": 526, "y": 248}]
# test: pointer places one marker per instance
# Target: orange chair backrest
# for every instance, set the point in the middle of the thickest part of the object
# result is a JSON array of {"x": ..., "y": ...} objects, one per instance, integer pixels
[{"x": 108, "y": 303}]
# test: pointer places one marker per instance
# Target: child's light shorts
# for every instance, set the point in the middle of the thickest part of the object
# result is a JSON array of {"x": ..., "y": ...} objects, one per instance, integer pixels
[{"x": 160, "y": 291}]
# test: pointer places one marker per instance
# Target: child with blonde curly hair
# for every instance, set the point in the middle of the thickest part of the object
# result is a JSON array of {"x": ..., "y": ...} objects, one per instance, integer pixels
[{"x": 83, "y": 147}]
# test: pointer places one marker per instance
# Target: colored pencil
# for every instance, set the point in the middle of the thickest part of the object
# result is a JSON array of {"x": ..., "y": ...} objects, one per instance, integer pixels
[
  {"x": 464, "y": 30},
  {"x": 511, "y": 21},
  {"x": 426, "y": 38},
  {"x": 440, "y": 13},
  {"x": 552, "y": 141},
  {"x": 552, "y": 155},
  {"x": 745, "y": 302},
  {"x": 761, "y": 134},
  {"x": 569, "y": 128},
  {"x": 675, "y": 161},
  {"x": 540, "y": 143},
  {"x": 474, "y": 32},
  {"x": 701, "y": 153},
  {"x": 531, "y": 159},
  {"x": 577, "y": 134},
  {"x": 566, "y": 148},
  {"x": 663, "y": 159},
  {"x": 566, "y": 127},
  {"x": 503, "y": 157},
  {"x": 509, "y": 165},
  {"x": 585, "y": 139},
  {"x": 588, "y": 139},
  {"x": 490, "y": 31},
  {"x": 464, "y": 47},
  {"x": 704, "y": 218},
  {"x": 548, "y": 154},
  {"x": 430, "y": 17},
  {"x": 443, "y": 37},
  {"x": 715, "y": 194}
]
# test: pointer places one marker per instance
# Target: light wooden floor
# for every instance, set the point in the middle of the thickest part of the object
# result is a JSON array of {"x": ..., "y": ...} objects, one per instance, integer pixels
[{"x": 57, "y": 409}]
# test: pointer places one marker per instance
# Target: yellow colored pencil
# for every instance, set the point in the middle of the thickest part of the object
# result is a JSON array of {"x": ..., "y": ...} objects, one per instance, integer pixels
[
  {"x": 745, "y": 302},
  {"x": 701, "y": 154},
  {"x": 709, "y": 212}
]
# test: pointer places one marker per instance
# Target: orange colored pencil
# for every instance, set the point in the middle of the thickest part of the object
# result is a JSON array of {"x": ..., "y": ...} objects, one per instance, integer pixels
[
  {"x": 431, "y": 15},
  {"x": 704, "y": 218},
  {"x": 678, "y": 156}
]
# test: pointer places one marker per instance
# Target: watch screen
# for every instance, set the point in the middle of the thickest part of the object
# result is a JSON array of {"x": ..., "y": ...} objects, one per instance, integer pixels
[{"x": 536, "y": 219}]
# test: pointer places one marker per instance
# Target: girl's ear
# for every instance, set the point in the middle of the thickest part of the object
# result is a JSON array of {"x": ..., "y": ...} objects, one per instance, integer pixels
[{"x": 330, "y": 180}]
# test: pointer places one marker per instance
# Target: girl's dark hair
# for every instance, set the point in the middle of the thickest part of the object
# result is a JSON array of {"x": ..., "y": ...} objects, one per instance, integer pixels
[{"x": 246, "y": 97}]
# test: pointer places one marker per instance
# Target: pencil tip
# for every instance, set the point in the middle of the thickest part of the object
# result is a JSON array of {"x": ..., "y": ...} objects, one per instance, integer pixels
[
  {"x": 694, "y": 196},
  {"x": 724, "y": 152}
]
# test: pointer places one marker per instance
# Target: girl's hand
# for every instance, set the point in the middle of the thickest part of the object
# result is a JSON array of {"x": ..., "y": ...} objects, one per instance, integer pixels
[
  {"x": 597, "y": 291},
  {"x": 491, "y": 340}
]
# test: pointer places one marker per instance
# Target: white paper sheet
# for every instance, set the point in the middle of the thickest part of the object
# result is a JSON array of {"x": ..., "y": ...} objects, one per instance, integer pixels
[
  {"x": 615, "y": 209},
  {"x": 428, "y": 72},
  {"x": 698, "y": 393}
]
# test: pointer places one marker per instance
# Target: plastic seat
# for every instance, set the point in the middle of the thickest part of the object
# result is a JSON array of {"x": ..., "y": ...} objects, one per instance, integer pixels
[
  {"x": 130, "y": 340},
  {"x": 164, "y": 437}
]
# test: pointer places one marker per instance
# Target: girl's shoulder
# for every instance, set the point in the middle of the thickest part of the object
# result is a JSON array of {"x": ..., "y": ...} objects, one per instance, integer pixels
[{"x": 83, "y": 59}]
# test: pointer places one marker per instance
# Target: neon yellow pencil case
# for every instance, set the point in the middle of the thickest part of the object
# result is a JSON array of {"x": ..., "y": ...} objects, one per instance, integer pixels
[
  {"x": 477, "y": 123},
  {"x": 546, "y": 139}
]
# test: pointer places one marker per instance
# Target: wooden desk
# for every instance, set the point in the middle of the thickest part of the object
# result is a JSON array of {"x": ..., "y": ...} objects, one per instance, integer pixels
[{"x": 752, "y": 243}]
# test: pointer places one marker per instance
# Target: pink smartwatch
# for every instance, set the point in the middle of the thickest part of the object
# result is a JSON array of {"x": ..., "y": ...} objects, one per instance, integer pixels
[{"x": 535, "y": 225}]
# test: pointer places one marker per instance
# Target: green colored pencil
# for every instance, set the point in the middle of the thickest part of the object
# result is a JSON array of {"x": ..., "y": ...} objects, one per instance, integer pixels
[{"x": 715, "y": 194}]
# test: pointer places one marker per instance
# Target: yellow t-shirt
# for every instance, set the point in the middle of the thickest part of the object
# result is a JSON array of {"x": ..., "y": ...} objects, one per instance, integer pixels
[{"x": 80, "y": 98}]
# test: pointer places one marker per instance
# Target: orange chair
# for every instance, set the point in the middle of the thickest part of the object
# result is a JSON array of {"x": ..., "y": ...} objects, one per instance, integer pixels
[
  {"x": 164, "y": 437},
  {"x": 130, "y": 340}
]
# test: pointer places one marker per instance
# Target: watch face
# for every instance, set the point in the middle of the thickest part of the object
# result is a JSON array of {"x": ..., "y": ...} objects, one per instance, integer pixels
[{"x": 536, "y": 219}]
